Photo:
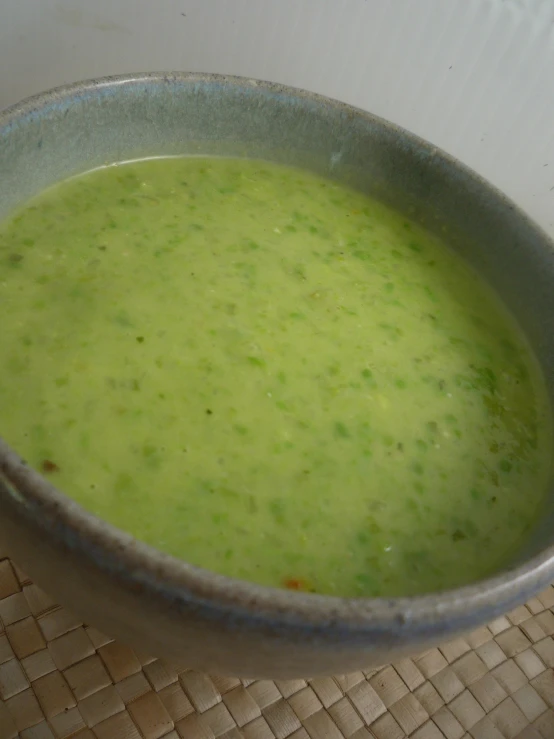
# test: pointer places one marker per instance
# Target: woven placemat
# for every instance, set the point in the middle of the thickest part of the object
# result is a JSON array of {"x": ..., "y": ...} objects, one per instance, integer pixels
[{"x": 61, "y": 678}]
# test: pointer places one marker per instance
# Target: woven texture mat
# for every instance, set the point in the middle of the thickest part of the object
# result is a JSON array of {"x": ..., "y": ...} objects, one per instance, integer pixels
[{"x": 60, "y": 678}]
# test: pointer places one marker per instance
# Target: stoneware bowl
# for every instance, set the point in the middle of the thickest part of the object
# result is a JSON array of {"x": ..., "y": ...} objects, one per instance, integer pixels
[{"x": 169, "y": 608}]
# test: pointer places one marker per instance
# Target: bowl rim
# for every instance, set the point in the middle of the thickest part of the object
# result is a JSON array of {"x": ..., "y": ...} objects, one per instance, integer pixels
[{"x": 133, "y": 563}]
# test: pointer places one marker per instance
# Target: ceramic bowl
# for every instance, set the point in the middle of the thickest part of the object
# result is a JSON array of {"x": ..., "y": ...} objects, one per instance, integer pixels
[{"x": 164, "y": 605}]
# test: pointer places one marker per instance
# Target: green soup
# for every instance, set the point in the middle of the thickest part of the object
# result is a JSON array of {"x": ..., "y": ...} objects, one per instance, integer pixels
[{"x": 270, "y": 375}]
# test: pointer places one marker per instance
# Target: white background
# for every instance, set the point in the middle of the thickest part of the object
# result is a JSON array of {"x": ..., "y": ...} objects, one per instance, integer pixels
[{"x": 474, "y": 76}]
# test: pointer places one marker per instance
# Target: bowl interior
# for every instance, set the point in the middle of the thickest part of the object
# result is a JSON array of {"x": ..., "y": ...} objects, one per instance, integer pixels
[{"x": 70, "y": 131}]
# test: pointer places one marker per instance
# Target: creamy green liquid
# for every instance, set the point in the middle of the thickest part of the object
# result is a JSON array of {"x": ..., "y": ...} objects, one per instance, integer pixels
[{"x": 271, "y": 376}]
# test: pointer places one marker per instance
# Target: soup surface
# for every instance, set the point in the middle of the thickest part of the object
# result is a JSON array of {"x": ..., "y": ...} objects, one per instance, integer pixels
[{"x": 271, "y": 376}]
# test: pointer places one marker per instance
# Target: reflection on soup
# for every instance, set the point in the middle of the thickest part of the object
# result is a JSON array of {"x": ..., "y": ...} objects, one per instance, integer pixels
[{"x": 269, "y": 375}]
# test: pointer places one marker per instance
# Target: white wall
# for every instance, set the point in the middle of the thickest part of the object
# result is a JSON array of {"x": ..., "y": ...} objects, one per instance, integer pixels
[{"x": 474, "y": 76}]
